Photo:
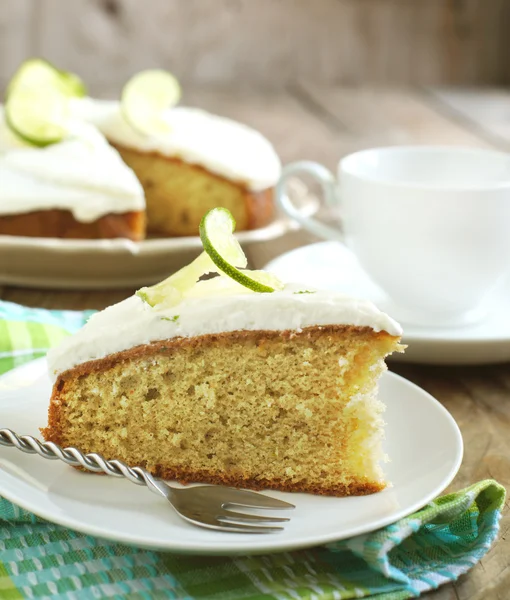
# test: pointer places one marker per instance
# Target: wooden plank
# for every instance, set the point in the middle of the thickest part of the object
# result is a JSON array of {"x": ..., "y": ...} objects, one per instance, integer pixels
[
  {"x": 273, "y": 42},
  {"x": 388, "y": 116},
  {"x": 477, "y": 397},
  {"x": 467, "y": 25},
  {"x": 64, "y": 300},
  {"x": 295, "y": 132},
  {"x": 486, "y": 111},
  {"x": 15, "y": 36}
]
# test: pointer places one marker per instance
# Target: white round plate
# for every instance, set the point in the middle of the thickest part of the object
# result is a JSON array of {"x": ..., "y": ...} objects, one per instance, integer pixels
[
  {"x": 423, "y": 442},
  {"x": 330, "y": 265},
  {"x": 101, "y": 264}
]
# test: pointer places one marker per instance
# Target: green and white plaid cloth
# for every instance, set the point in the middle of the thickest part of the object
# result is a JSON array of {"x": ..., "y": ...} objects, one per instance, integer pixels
[{"x": 419, "y": 553}]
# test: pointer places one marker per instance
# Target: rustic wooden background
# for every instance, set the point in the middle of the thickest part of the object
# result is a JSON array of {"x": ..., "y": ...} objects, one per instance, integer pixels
[{"x": 267, "y": 43}]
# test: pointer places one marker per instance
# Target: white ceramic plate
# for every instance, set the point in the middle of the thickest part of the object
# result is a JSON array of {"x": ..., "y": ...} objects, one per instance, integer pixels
[
  {"x": 330, "y": 265},
  {"x": 118, "y": 263},
  {"x": 105, "y": 264},
  {"x": 423, "y": 441}
]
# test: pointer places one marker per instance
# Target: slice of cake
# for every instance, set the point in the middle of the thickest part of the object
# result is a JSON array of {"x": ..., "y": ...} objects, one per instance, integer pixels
[
  {"x": 210, "y": 381},
  {"x": 76, "y": 188},
  {"x": 199, "y": 162}
]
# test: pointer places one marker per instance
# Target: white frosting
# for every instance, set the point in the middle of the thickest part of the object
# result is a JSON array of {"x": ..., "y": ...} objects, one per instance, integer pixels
[
  {"x": 222, "y": 146},
  {"x": 82, "y": 174},
  {"x": 133, "y": 322}
]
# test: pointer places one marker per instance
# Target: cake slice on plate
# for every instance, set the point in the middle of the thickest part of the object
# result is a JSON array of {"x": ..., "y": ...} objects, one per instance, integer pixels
[{"x": 235, "y": 380}]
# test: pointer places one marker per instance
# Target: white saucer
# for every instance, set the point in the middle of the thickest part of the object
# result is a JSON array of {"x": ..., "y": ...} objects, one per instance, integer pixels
[
  {"x": 330, "y": 265},
  {"x": 423, "y": 442}
]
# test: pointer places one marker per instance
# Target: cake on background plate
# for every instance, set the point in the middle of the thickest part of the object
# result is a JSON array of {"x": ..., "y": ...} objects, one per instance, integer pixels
[
  {"x": 187, "y": 160},
  {"x": 59, "y": 176},
  {"x": 76, "y": 188},
  {"x": 237, "y": 380}
]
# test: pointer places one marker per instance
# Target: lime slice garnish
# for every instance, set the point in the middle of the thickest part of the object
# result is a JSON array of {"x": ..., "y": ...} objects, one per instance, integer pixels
[
  {"x": 146, "y": 97},
  {"x": 217, "y": 227},
  {"x": 169, "y": 292},
  {"x": 73, "y": 84},
  {"x": 223, "y": 255},
  {"x": 263, "y": 278},
  {"x": 216, "y": 232},
  {"x": 39, "y": 73},
  {"x": 37, "y": 115}
]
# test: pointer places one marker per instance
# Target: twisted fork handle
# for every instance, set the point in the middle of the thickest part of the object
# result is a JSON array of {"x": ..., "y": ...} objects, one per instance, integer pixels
[{"x": 72, "y": 456}]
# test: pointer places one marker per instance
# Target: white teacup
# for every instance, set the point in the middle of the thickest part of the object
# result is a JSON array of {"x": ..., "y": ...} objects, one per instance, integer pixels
[{"x": 429, "y": 225}]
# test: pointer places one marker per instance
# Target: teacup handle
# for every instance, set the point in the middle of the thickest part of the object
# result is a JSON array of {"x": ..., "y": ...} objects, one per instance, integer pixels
[{"x": 328, "y": 185}]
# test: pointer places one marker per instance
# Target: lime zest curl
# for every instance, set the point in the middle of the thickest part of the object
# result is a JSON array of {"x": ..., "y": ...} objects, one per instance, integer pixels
[
  {"x": 216, "y": 227},
  {"x": 222, "y": 255}
]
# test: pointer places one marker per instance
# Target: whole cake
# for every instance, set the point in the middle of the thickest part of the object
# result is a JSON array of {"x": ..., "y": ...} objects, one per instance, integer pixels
[
  {"x": 76, "y": 188},
  {"x": 200, "y": 162},
  {"x": 265, "y": 386}
]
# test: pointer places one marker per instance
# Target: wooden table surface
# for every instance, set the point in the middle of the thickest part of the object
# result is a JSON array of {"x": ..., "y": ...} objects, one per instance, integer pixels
[{"x": 323, "y": 125}]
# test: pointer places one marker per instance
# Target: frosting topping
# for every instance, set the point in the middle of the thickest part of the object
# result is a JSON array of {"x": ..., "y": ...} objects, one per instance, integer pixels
[
  {"x": 222, "y": 146},
  {"x": 82, "y": 174},
  {"x": 132, "y": 322}
]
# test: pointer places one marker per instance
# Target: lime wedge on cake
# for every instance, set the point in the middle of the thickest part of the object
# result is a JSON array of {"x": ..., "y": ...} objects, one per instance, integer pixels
[
  {"x": 146, "y": 97},
  {"x": 39, "y": 73},
  {"x": 37, "y": 116},
  {"x": 216, "y": 232}
]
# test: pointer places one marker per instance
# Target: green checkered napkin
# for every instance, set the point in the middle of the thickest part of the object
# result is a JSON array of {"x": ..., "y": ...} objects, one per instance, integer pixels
[{"x": 42, "y": 560}]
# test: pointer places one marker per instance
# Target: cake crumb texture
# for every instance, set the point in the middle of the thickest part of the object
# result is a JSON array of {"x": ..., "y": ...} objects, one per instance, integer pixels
[
  {"x": 258, "y": 409},
  {"x": 178, "y": 194}
]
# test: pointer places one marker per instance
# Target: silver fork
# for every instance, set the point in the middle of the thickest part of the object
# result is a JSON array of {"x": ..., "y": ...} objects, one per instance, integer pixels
[{"x": 208, "y": 506}]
